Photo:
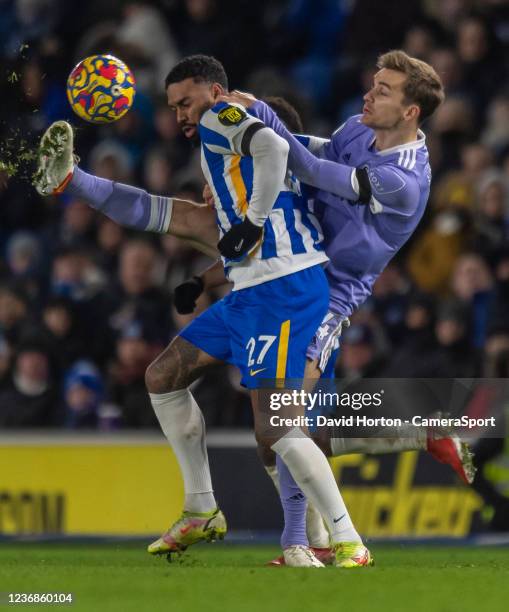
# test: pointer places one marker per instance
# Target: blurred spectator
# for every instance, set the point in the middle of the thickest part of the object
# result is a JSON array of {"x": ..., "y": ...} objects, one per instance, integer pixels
[
  {"x": 453, "y": 122},
  {"x": 363, "y": 32},
  {"x": 496, "y": 133},
  {"x": 26, "y": 21},
  {"x": 23, "y": 254},
  {"x": 144, "y": 34},
  {"x": 110, "y": 238},
  {"x": 420, "y": 41},
  {"x": 314, "y": 30},
  {"x": 390, "y": 297},
  {"x": 359, "y": 355},
  {"x": 136, "y": 347},
  {"x": 75, "y": 276},
  {"x": 201, "y": 27},
  {"x": 413, "y": 355},
  {"x": 484, "y": 69},
  {"x": 138, "y": 296},
  {"x": 433, "y": 254},
  {"x": 454, "y": 356},
  {"x": 490, "y": 219},
  {"x": 67, "y": 339},
  {"x": 13, "y": 311},
  {"x": 76, "y": 228},
  {"x": 31, "y": 398},
  {"x": 447, "y": 63},
  {"x": 83, "y": 393},
  {"x": 158, "y": 172},
  {"x": 112, "y": 161},
  {"x": 448, "y": 12},
  {"x": 472, "y": 283}
]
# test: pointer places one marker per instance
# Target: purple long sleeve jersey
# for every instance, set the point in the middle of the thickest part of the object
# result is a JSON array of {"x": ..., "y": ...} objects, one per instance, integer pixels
[{"x": 360, "y": 238}]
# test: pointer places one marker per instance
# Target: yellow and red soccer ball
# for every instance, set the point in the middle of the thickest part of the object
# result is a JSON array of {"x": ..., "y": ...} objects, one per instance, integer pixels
[{"x": 101, "y": 89}]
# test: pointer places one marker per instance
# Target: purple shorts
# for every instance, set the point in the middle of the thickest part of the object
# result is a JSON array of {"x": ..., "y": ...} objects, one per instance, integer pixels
[{"x": 326, "y": 339}]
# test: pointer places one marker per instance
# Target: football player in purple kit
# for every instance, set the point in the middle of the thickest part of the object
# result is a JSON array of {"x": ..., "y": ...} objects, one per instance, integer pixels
[{"x": 372, "y": 182}]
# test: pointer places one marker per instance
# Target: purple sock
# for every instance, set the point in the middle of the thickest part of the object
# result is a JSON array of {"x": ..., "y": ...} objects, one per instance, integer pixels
[
  {"x": 126, "y": 205},
  {"x": 294, "y": 505}
]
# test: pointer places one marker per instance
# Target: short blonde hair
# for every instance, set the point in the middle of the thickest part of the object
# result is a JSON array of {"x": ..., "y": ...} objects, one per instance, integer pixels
[{"x": 423, "y": 86}]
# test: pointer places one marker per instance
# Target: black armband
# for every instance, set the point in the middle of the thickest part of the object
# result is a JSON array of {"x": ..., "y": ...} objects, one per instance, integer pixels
[
  {"x": 364, "y": 185},
  {"x": 248, "y": 136}
]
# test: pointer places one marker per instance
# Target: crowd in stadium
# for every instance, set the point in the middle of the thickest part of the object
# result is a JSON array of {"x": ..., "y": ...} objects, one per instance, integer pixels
[{"x": 86, "y": 305}]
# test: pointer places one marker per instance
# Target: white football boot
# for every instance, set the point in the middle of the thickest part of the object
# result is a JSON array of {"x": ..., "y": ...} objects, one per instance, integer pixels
[
  {"x": 55, "y": 162},
  {"x": 300, "y": 556}
]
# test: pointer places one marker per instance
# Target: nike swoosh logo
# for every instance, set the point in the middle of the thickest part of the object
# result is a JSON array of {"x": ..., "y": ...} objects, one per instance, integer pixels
[
  {"x": 184, "y": 530},
  {"x": 239, "y": 246},
  {"x": 255, "y": 372},
  {"x": 338, "y": 519}
]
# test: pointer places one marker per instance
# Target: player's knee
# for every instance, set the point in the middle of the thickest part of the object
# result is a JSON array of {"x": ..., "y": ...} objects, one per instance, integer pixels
[
  {"x": 153, "y": 380},
  {"x": 158, "y": 378}
]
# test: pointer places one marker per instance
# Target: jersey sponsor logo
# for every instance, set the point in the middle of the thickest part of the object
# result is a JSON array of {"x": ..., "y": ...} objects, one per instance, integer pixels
[{"x": 231, "y": 115}]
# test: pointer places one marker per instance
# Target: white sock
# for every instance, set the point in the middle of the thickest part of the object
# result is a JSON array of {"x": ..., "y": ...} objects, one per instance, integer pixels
[
  {"x": 396, "y": 439},
  {"x": 318, "y": 535},
  {"x": 183, "y": 425},
  {"x": 312, "y": 472}
]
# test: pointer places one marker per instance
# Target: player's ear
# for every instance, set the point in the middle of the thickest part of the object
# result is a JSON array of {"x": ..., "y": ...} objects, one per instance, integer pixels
[
  {"x": 412, "y": 112},
  {"x": 217, "y": 90}
]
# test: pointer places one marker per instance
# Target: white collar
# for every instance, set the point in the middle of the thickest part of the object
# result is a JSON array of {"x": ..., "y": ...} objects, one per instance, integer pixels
[{"x": 415, "y": 144}]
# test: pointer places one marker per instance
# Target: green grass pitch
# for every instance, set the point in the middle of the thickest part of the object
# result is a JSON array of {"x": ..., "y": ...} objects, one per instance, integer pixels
[{"x": 226, "y": 578}]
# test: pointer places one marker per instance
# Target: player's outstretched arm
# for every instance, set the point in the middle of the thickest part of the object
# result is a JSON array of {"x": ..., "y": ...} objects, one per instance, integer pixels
[
  {"x": 331, "y": 176},
  {"x": 135, "y": 208}
]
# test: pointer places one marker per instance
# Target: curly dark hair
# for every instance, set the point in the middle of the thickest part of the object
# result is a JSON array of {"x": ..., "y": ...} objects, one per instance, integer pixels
[
  {"x": 201, "y": 68},
  {"x": 286, "y": 112}
]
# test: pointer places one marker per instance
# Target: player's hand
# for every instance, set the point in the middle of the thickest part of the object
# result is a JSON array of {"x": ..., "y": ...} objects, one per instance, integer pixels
[
  {"x": 240, "y": 97},
  {"x": 187, "y": 293},
  {"x": 207, "y": 195},
  {"x": 239, "y": 239}
]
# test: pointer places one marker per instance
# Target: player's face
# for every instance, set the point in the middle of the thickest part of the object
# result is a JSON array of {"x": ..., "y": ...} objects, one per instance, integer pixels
[
  {"x": 384, "y": 106},
  {"x": 190, "y": 100}
]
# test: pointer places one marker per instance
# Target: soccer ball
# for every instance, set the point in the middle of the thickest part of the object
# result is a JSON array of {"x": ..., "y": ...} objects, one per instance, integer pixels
[{"x": 101, "y": 89}]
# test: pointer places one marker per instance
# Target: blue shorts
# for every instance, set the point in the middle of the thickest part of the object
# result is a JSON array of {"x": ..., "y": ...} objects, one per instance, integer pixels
[{"x": 264, "y": 330}]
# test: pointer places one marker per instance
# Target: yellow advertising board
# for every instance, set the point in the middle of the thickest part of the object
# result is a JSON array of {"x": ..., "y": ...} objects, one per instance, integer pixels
[
  {"x": 402, "y": 508},
  {"x": 130, "y": 485},
  {"x": 88, "y": 489}
]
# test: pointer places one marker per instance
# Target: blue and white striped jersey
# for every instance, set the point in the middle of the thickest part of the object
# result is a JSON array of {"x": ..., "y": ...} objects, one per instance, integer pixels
[{"x": 291, "y": 238}]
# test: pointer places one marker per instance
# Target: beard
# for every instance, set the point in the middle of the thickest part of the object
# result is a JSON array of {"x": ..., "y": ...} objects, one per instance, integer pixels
[{"x": 195, "y": 140}]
